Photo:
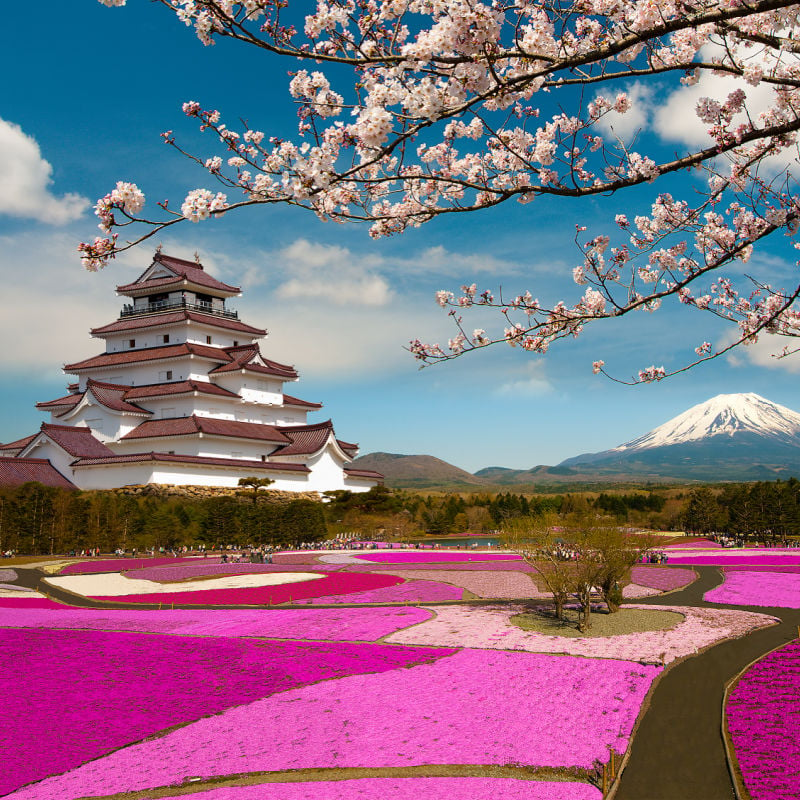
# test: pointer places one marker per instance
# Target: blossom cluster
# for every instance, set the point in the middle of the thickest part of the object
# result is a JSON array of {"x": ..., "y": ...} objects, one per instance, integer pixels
[
  {"x": 461, "y": 105},
  {"x": 759, "y": 713},
  {"x": 468, "y": 707}
]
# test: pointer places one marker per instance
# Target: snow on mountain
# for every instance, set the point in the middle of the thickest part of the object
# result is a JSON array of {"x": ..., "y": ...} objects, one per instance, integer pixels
[{"x": 723, "y": 415}]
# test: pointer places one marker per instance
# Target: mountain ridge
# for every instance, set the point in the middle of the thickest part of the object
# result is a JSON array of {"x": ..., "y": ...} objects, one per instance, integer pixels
[{"x": 730, "y": 437}]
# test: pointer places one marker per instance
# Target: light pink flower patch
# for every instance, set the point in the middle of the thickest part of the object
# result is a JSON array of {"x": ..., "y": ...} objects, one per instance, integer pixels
[
  {"x": 180, "y": 572},
  {"x": 118, "y": 564},
  {"x": 757, "y": 588},
  {"x": 405, "y": 789},
  {"x": 490, "y": 626},
  {"x": 322, "y": 624},
  {"x": 633, "y": 590},
  {"x": 473, "y": 707},
  {"x": 484, "y": 583}
]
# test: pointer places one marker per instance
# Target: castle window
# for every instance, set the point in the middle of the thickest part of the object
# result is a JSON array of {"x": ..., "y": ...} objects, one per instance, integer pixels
[
  {"x": 235, "y": 343},
  {"x": 166, "y": 338},
  {"x": 208, "y": 340},
  {"x": 263, "y": 458},
  {"x": 131, "y": 342}
]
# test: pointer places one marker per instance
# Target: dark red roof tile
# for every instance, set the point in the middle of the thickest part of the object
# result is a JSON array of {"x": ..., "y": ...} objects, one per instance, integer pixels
[
  {"x": 305, "y": 439},
  {"x": 170, "y": 318},
  {"x": 243, "y": 357},
  {"x": 19, "y": 444},
  {"x": 210, "y": 426},
  {"x": 182, "y": 269},
  {"x": 178, "y": 387},
  {"x": 363, "y": 473},
  {"x": 244, "y": 464},
  {"x": 76, "y": 440},
  {"x": 61, "y": 403},
  {"x": 149, "y": 354},
  {"x": 16, "y": 471},
  {"x": 112, "y": 396},
  {"x": 288, "y": 400}
]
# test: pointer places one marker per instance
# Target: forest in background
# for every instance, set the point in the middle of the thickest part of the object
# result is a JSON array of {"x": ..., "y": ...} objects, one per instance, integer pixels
[{"x": 41, "y": 520}]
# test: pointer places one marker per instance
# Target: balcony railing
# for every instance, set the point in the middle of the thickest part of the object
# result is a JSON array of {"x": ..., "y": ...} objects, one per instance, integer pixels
[{"x": 171, "y": 305}]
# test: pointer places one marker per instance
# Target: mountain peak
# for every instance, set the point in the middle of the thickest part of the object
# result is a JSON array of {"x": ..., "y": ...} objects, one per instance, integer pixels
[{"x": 723, "y": 415}]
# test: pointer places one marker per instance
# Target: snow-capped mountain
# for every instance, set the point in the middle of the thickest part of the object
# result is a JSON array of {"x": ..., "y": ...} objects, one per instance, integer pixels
[
  {"x": 723, "y": 415},
  {"x": 729, "y": 437}
]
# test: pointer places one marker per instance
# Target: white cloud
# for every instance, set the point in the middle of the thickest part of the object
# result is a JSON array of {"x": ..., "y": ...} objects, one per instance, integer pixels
[
  {"x": 764, "y": 352},
  {"x": 328, "y": 273},
  {"x": 532, "y": 383},
  {"x": 26, "y": 178},
  {"x": 626, "y": 126},
  {"x": 52, "y": 302}
]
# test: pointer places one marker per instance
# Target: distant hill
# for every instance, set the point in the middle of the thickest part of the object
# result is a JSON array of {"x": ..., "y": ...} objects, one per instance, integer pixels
[{"x": 418, "y": 472}]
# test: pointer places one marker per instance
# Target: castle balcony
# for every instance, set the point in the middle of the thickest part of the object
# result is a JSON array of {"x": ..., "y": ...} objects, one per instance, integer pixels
[{"x": 171, "y": 305}]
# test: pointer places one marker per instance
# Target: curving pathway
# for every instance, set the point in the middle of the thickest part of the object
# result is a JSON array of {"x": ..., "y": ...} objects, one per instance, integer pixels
[{"x": 678, "y": 752}]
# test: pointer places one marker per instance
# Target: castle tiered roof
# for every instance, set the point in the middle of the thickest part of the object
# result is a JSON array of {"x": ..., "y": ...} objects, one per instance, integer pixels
[
  {"x": 184, "y": 274},
  {"x": 218, "y": 407}
]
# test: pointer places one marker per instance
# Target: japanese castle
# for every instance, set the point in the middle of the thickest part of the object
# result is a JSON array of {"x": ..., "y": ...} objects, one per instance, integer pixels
[{"x": 182, "y": 395}]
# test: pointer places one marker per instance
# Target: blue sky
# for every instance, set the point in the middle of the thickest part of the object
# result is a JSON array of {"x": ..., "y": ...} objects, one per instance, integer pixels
[{"x": 92, "y": 88}]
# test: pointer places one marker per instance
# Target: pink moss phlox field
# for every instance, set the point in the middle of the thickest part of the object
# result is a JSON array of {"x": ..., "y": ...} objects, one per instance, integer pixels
[
  {"x": 664, "y": 578},
  {"x": 7, "y": 575},
  {"x": 485, "y": 583},
  {"x": 118, "y": 564},
  {"x": 632, "y": 591},
  {"x": 490, "y": 627},
  {"x": 416, "y": 556},
  {"x": 760, "y": 713},
  {"x": 758, "y": 589},
  {"x": 406, "y": 592},
  {"x": 474, "y": 707},
  {"x": 335, "y": 624},
  {"x": 330, "y": 584},
  {"x": 726, "y": 557},
  {"x": 405, "y": 789},
  {"x": 111, "y": 689},
  {"x": 180, "y": 572}
]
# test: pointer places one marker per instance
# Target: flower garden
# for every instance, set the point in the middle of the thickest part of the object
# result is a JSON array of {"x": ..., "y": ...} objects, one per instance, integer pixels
[{"x": 389, "y": 669}]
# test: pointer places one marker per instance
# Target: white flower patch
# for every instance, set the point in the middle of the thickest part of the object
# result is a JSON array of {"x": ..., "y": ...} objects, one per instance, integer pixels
[{"x": 114, "y": 584}]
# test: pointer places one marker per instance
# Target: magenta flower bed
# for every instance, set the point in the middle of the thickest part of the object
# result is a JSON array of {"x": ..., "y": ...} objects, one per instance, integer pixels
[
  {"x": 414, "y": 556},
  {"x": 85, "y": 693},
  {"x": 664, "y": 578},
  {"x": 763, "y": 568},
  {"x": 406, "y": 789},
  {"x": 29, "y": 602},
  {"x": 342, "y": 624},
  {"x": 471, "y": 566},
  {"x": 763, "y": 714},
  {"x": 119, "y": 564},
  {"x": 758, "y": 588},
  {"x": 475, "y": 707},
  {"x": 330, "y": 584},
  {"x": 726, "y": 557},
  {"x": 406, "y": 592},
  {"x": 180, "y": 572}
]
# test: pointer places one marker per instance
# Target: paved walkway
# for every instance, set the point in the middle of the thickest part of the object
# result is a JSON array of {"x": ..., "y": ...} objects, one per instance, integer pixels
[{"x": 678, "y": 751}]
